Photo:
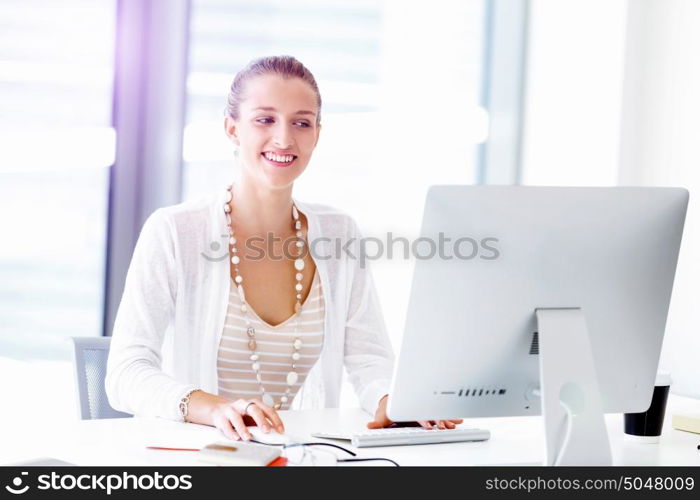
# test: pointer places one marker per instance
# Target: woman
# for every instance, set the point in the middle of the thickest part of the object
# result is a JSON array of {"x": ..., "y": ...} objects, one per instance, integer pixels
[{"x": 229, "y": 340}]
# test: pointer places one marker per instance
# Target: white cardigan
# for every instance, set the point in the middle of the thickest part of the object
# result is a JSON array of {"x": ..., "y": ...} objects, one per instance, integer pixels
[{"x": 171, "y": 316}]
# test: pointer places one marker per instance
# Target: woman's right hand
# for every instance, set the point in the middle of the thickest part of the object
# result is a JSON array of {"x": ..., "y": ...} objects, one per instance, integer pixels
[{"x": 233, "y": 418}]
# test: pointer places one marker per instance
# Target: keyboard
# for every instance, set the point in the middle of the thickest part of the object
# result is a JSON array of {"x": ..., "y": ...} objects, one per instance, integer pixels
[{"x": 398, "y": 436}]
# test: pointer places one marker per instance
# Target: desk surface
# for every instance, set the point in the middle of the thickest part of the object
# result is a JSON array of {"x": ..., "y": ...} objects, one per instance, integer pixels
[{"x": 514, "y": 441}]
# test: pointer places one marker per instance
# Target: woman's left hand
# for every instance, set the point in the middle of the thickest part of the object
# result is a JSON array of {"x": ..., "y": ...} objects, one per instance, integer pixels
[{"x": 381, "y": 419}]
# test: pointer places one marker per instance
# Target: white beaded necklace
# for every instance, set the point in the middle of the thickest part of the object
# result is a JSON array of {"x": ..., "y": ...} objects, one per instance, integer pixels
[{"x": 292, "y": 375}]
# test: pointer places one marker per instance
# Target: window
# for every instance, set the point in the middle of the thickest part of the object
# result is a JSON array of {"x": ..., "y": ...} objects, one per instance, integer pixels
[{"x": 55, "y": 115}]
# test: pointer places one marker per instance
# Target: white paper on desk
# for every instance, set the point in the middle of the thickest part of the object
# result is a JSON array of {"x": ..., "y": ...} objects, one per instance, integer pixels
[{"x": 238, "y": 453}]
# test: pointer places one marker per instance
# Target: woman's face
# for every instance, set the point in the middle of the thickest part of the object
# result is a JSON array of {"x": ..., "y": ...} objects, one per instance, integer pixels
[{"x": 276, "y": 129}]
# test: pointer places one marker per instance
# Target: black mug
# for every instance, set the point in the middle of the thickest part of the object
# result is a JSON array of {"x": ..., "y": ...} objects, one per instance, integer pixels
[{"x": 646, "y": 427}]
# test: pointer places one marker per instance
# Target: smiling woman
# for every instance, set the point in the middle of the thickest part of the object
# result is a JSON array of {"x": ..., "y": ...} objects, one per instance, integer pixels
[
  {"x": 229, "y": 342},
  {"x": 274, "y": 117}
]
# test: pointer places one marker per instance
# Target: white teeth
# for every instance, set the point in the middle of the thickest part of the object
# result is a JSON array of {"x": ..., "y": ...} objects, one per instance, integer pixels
[{"x": 278, "y": 158}]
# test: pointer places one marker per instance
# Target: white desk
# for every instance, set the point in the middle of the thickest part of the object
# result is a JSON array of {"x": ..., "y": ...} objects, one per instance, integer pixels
[{"x": 118, "y": 442}]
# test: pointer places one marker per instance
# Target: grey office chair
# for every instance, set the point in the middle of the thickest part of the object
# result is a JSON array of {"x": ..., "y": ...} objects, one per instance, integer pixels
[{"x": 90, "y": 364}]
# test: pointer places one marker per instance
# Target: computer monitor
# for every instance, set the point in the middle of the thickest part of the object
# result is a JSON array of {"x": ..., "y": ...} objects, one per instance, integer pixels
[{"x": 531, "y": 297}]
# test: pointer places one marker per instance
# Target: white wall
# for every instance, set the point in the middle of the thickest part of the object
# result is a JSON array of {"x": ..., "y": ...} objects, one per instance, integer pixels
[
  {"x": 613, "y": 97},
  {"x": 660, "y": 146},
  {"x": 574, "y": 71}
]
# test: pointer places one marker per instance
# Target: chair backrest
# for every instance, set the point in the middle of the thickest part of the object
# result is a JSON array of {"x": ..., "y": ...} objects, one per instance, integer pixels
[{"x": 90, "y": 364}]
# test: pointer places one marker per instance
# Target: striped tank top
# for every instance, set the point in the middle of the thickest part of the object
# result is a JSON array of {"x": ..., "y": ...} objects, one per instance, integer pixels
[{"x": 237, "y": 379}]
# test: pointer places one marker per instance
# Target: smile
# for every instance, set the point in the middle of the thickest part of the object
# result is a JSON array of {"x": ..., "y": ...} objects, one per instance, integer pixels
[{"x": 278, "y": 160}]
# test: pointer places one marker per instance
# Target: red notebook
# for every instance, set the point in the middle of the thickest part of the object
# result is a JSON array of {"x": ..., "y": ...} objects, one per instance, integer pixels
[{"x": 278, "y": 462}]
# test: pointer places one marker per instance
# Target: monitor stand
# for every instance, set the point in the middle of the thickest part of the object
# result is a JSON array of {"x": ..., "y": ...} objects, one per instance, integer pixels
[{"x": 575, "y": 431}]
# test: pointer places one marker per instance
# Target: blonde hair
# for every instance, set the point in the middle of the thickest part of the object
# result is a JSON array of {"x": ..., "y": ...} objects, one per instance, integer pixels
[{"x": 284, "y": 66}]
